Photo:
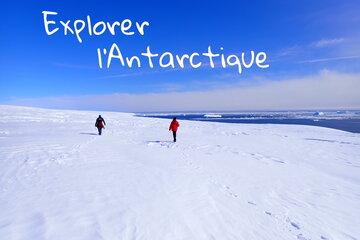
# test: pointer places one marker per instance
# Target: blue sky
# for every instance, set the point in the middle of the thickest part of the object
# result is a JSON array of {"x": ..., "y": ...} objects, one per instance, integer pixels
[{"x": 301, "y": 38}]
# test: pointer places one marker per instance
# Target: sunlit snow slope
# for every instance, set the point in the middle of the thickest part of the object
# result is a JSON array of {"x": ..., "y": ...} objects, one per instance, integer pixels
[{"x": 59, "y": 180}]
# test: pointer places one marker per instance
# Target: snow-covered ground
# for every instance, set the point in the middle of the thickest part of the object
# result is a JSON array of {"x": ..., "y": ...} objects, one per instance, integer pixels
[{"x": 59, "y": 180}]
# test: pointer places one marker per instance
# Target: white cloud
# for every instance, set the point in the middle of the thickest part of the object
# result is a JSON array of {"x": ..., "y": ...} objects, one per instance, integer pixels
[
  {"x": 325, "y": 90},
  {"x": 328, "y": 42},
  {"x": 330, "y": 59},
  {"x": 290, "y": 51},
  {"x": 122, "y": 75}
]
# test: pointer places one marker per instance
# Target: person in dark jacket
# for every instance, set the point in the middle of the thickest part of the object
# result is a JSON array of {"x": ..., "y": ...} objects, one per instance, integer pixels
[
  {"x": 100, "y": 124},
  {"x": 174, "y": 125}
]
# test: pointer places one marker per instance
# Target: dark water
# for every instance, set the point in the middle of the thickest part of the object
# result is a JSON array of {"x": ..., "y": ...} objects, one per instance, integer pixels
[{"x": 346, "y": 122}]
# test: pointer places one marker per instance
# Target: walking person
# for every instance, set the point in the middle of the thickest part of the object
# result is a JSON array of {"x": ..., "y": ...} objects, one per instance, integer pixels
[
  {"x": 174, "y": 125},
  {"x": 100, "y": 124}
]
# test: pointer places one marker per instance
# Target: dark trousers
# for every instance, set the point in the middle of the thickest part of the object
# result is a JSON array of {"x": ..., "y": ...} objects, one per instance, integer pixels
[
  {"x": 99, "y": 130},
  {"x": 174, "y": 135}
]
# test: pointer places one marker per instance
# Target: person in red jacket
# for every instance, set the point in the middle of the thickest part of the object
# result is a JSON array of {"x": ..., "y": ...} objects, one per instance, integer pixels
[
  {"x": 174, "y": 125},
  {"x": 100, "y": 124}
]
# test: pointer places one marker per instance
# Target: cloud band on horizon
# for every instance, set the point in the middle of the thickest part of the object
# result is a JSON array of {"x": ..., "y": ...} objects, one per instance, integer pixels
[{"x": 325, "y": 90}]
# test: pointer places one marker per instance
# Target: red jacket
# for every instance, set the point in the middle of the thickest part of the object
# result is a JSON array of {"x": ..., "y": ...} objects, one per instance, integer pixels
[
  {"x": 174, "y": 125},
  {"x": 100, "y": 123}
]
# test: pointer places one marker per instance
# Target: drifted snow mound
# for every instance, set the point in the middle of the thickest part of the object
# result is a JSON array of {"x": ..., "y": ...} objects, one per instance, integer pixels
[{"x": 59, "y": 180}]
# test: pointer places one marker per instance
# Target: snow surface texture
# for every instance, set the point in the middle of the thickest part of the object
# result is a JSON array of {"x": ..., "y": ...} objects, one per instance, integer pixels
[{"x": 59, "y": 180}]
